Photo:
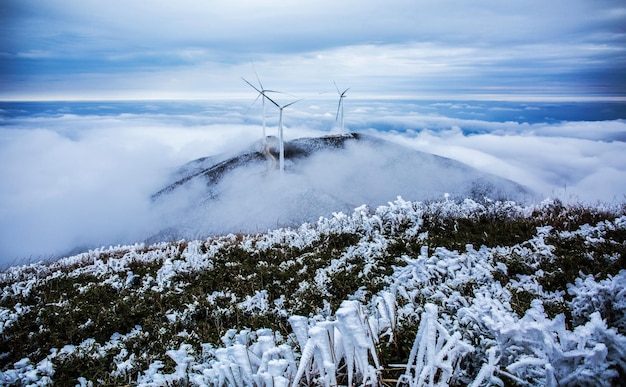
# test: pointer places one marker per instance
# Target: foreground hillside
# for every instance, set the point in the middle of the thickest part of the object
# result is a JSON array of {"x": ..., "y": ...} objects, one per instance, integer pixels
[{"x": 412, "y": 293}]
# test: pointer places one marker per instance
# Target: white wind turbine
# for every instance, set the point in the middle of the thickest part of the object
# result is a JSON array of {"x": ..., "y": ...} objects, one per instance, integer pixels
[
  {"x": 262, "y": 92},
  {"x": 280, "y": 124},
  {"x": 342, "y": 95}
]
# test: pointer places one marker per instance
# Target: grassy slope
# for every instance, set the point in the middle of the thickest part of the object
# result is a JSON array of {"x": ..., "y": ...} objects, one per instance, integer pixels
[{"x": 141, "y": 290}]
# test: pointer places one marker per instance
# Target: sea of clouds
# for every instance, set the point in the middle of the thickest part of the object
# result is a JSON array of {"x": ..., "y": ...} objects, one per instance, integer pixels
[{"x": 76, "y": 181}]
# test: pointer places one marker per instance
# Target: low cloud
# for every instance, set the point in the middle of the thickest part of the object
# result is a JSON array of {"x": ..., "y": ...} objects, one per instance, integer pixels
[
  {"x": 90, "y": 182},
  {"x": 85, "y": 181},
  {"x": 556, "y": 165}
]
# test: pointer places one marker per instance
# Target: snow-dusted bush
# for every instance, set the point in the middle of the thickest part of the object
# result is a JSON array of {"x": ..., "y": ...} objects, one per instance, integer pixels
[
  {"x": 608, "y": 297},
  {"x": 435, "y": 353},
  {"x": 348, "y": 340},
  {"x": 247, "y": 358}
]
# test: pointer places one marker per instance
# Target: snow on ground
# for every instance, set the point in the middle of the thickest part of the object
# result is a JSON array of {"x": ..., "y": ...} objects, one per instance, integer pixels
[{"x": 463, "y": 337}]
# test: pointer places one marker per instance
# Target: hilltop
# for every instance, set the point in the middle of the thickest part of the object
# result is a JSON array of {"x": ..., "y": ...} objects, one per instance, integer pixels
[
  {"x": 454, "y": 292},
  {"x": 245, "y": 193},
  {"x": 336, "y": 152}
]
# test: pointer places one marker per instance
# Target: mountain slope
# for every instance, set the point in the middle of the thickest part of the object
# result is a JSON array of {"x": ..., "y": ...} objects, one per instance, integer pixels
[
  {"x": 245, "y": 193},
  {"x": 488, "y": 292}
]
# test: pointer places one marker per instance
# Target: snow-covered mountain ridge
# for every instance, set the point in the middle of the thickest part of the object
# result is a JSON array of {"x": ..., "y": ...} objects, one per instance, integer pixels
[
  {"x": 243, "y": 192},
  {"x": 413, "y": 293}
]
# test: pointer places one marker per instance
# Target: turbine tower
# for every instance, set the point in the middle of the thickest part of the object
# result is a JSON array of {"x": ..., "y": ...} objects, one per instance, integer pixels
[
  {"x": 281, "y": 157},
  {"x": 262, "y": 92},
  {"x": 280, "y": 124},
  {"x": 342, "y": 95}
]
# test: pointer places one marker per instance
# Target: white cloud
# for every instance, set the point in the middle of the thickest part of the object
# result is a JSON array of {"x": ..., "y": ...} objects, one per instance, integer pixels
[
  {"x": 551, "y": 166},
  {"x": 72, "y": 180},
  {"x": 90, "y": 181}
]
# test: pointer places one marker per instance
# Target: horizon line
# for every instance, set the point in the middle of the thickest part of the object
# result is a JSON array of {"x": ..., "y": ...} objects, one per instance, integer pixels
[{"x": 391, "y": 97}]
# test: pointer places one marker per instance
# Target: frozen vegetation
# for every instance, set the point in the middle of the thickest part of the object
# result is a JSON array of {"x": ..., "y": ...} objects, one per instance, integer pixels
[{"x": 412, "y": 293}]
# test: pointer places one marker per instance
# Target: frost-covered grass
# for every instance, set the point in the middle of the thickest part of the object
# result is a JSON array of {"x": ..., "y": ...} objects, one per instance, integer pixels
[{"x": 440, "y": 293}]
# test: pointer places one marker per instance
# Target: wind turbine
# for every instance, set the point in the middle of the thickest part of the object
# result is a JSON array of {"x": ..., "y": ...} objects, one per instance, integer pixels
[
  {"x": 281, "y": 142},
  {"x": 342, "y": 95},
  {"x": 262, "y": 92}
]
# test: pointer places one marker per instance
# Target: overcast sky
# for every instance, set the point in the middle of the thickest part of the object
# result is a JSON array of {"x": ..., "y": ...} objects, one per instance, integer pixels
[{"x": 62, "y": 49}]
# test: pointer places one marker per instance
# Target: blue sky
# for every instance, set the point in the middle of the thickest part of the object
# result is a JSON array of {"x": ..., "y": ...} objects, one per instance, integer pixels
[{"x": 92, "y": 49}]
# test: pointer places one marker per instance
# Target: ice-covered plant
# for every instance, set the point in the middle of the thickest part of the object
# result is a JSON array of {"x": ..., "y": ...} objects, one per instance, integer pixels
[
  {"x": 248, "y": 359},
  {"x": 348, "y": 340},
  {"x": 357, "y": 343},
  {"x": 318, "y": 357},
  {"x": 607, "y": 296},
  {"x": 537, "y": 350},
  {"x": 434, "y": 354}
]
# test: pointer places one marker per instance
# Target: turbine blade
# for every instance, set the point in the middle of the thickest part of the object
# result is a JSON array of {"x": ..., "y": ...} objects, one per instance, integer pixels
[
  {"x": 253, "y": 102},
  {"x": 278, "y": 92},
  {"x": 271, "y": 100},
  {"x": 289, "y": 104},
  {"x": 344, "y": 92},
  {"x": 336, "y": 87},
  {"x": 254, "y": 87},
  {"x": 257, "y": 74},
  {"x": 260, "y": 92},
  {"x": 338, "y": 107}
]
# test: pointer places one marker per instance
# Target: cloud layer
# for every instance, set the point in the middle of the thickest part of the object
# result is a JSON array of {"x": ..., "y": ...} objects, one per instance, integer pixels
[{"x": 86, "y": 180}]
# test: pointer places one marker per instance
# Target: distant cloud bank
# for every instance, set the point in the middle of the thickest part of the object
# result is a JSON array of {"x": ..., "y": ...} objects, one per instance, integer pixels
[{"x": 85, "y": 179}]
